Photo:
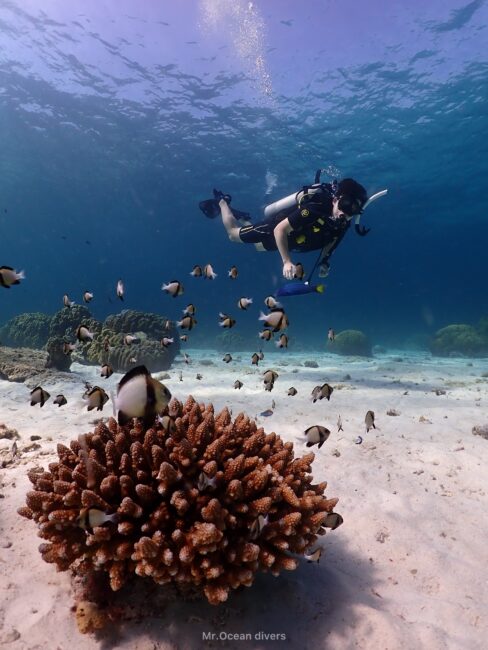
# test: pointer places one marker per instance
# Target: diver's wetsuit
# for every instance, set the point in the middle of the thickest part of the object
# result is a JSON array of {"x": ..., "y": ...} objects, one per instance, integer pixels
[{"x": 313, "y": 228}]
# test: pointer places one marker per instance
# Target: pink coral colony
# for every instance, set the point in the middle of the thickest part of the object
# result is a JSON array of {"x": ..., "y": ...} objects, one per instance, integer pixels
[{"x": 187, "y": 499}]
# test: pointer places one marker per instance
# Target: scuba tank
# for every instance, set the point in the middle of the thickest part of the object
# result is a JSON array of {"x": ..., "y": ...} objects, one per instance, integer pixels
[{"x": 293, "y": 200}]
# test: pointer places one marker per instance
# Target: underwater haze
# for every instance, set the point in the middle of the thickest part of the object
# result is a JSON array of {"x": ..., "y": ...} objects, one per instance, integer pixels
[{"x": 118, "y": 116}]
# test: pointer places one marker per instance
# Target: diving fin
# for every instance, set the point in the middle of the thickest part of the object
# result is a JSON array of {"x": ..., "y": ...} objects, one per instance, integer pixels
[{"x": 210, "y": 209}]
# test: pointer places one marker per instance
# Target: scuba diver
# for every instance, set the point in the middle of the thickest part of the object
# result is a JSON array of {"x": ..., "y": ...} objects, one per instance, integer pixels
[{"x": 315, "y": 218}]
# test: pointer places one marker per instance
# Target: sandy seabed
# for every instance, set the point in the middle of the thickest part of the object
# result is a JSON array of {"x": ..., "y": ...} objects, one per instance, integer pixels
[{"x": 407, "y": 569}]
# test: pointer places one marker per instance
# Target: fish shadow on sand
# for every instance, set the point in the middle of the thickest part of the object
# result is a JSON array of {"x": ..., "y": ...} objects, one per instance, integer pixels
[{"x": 307, "y": 606}]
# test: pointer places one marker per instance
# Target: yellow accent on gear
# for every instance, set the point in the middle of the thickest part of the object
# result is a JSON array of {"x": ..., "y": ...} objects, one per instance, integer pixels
[
  {"x": 304, "y": 212},
  {"x": 320, "y": 288},
  {"x": 300, "y": 239}
]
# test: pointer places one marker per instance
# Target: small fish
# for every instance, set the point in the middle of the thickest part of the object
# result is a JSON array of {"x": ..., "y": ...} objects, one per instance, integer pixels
[
  {"x": 167, "y": 341},
  {"x": 227, "y": 358},
  {"x": 186, "y": 358},
  {"x": 140, "y": 396},
  {"x": 197, "y": 271},
  {"x": 8, "y": 276},
  {"x": 292, "y": 391},
  {"x": 129, "y": 339},
  {"x": 96, "y": 398},
  {"x": 314, "y": 556},
  {"x": 244, "y": 303},
  {"x": 333, "y": 520},
  {"x": 233, "y": 272},
  {"x": 261, "y": 355},
  {"x": 299, "y": 288},
  {"x": 266, "y": 334},
  {"x": 83, "y": 334},
  {"x": 282, "y": 342},
  {"x": 67, "y": 302},
  {"x": 316, "y": 435},
  {"x": 238, "y": 384},
  {"x": 299, "y": 271},
  {"x": 257, "y": 526},
  {"x": 369, "y": 421},
  {"x": 204, "y": 482},
  {"x": 255, "y": 359},
  {"x": 133, "y": 360},
  {"x": 331, "y": 334},
  {"x": 90, "y": 518},
  {"x": 39, "y": 396},
  {"x": 106, "y": 371},
  {"x": 227, "y": 322},
  {"x": 174, "y": 288},
  {"x": 60, "y": 400},
  {"x": 68, "y": 348},
  {"x": 272, "y": 303},
  {"x": 120, "y": 290},
  {"x": 208, "y": 272},
  {"x": 186, "y": 323},
  {"x": 189, "y": 310},
  {"x": 87, "y": 296},
  {"x": 319, "y": 392},
  {"x": 267, "y": 413},
  {"x": 277, "y": 319},
  {"x": 184, "y": 337},
  {"x": 339, "y": 424},
  {"x": 273, "y": 404},
  {"x": 199, "y": 376},
  {"x": 167, "y": 325},
  {"x": 181, "y": 375},
  {"x": 167, "y": 423},
  {"x": 106, "y": 344},
  {"x": 270, "y": 376}
]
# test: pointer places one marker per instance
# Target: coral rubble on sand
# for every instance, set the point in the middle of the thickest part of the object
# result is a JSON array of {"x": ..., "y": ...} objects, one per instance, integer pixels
[{"x": 187, "y": 495}]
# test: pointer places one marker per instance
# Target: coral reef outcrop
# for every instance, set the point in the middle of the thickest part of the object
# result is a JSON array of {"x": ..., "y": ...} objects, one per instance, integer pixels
[
  {"x": 28, "y": 366},
  {"x": 56, "y": 358},
  {"x": 147, "y": 352},
  {"x": 350, "y": 343},
  {"x": 30, "y": 330},
  {"x": 66, "y": 320},
  {"x": 199, "y": 501},
  {"x": 130, "y": 321},
  {"x": 459, "y": 340},
  {"x": 108, "y": 346}
]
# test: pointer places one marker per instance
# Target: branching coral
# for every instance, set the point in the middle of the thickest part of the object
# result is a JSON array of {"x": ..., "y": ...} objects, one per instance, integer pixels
[{"x": 179, "y": 504}]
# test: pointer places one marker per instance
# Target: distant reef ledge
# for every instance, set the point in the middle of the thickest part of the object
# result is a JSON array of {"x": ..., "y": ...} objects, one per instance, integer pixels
[{"x": 38, "y": 331}]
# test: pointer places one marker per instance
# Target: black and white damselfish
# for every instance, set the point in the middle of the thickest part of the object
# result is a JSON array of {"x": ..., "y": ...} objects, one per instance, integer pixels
[{"x": 140, "y": 396}]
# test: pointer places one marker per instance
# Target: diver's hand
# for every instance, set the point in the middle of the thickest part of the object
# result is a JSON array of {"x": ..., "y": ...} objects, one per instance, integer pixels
[
  {"x": 324, "y": 269},
  {"x": 289, "y": 270}
]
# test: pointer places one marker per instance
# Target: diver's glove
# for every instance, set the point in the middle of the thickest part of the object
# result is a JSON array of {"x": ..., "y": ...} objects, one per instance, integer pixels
[
  {"x": 219, "y": 196},
  {"x": 324, "y": 269},
  {"x": 361, "y": 230}
]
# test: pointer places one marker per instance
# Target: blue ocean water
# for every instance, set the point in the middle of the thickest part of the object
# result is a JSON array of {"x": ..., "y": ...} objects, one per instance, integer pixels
[{"x": 117, "y": 118}]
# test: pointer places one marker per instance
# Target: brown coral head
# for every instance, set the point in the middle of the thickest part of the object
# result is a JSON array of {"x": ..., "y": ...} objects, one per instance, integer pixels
[{"x": 205, "y": 503}]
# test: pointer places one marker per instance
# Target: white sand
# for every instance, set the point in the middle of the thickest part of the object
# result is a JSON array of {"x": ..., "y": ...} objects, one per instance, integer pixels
[{"x": 408, "y": 568}]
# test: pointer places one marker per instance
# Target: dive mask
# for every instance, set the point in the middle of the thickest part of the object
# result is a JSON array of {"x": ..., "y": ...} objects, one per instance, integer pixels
[{"x": 349, "y": 206}]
